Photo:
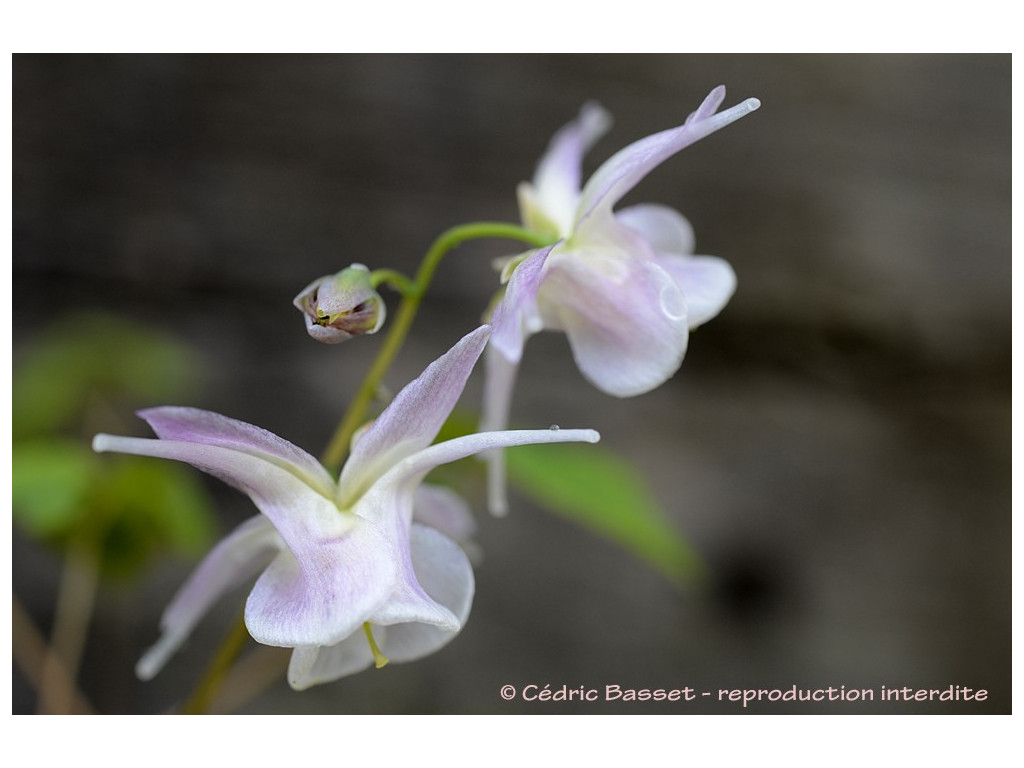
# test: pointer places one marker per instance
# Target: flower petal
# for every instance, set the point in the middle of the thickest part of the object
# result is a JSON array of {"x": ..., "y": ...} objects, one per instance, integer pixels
[
  {"x": 708, "y": 283},
  {"x": 626, "y": 319},
  {"x": 445, "y": 573},
  {"x": 498, "y": 385},
  {"x": 324, "y": 592},
  {"x": 516, "y": 317},
  {"x": 413, "y": 419},
  {"x": 408, "y": 600},
  {"x": 301, "y": 515},
  {"x": 447, "y": 577},
  {"x": 626, "y": 168},
  {"x": 667, "y": 230},
  {"x": 548, "y": 204},
  {"x": 412, "y": 469},
  {"x": 313, "y": 665},
  {"x": 235, "y": 559},
  {"x": 443, "y": 510},
  {"x": 192, "y": 425}
]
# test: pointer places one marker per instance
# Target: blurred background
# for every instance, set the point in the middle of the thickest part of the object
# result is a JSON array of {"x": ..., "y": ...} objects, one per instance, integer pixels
[{"x": 836, "y": 446}]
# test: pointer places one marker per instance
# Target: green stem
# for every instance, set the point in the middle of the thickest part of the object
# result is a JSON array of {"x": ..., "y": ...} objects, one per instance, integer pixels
[
  {"x": 404, "y": 285},
  {"x": 398, "y": 329},
  {"x": 230, "y": 648}
]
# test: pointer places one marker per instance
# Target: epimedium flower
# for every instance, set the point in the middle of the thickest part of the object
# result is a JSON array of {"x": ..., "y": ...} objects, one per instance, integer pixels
[
  {"x": 339, "y": 306},
  {"x": 336, "y": 558},
  {"x": 624, "y": 286}
]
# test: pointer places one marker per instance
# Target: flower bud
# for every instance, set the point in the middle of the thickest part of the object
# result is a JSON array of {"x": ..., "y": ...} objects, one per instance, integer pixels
[{"x": 338, "y": 307}]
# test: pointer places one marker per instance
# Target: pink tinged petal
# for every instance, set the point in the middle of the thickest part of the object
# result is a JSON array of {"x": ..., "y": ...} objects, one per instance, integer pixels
[
  {"x": 191, "y": 425},
  {"x": 326, "y": 592},
  {"x": 624, "y": 170},
  {"x": 301, "y": 515},
  {"x": 445, "y": 573},
  {"x": 446, "y": 576},
  {"x": 516, "y": 317},
  {"x": 625, "y": 318},
  {"x": 331, "y": 555},
  {"x": 408, "y": 601},
  {"x": 443, "y": 510},
  {"x": 498, "y": 385},
  {"x": 235, "y": 559},
  {"x": 667, "y": 230},
  {"x": 413, "y": 419},
  {"x": 549, "y": 203},
  {"x": 708, "y": 283}
]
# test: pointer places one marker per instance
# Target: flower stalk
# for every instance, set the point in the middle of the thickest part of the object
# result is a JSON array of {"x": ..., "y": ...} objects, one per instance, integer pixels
[{"x": 412, "y": 296}]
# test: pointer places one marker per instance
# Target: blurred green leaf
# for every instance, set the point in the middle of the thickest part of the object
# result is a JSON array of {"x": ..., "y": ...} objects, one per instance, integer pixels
[
  {"x": 51, "y": 480},
  {"x": 603, "y": 492},
  {"x": 151, "y": 507},
  {"x": 592, "y": 487},
  {"x": 76, "y": 362}
]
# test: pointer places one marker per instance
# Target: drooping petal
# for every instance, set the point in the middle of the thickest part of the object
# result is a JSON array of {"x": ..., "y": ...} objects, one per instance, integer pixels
[
  {"x": 626, "y": 168},
  {"x": 408, "y": 601},
  {"x": 443, "y": 510},
  {"x": 549, "y": 203},
  {"x": 708, "y": 283},
  {"x": 235, "y": 559},
  {"x": 625, "y": 318},
  {"x": 447, "y": 578},
  {"x": 313, "y": 665},
  {"x": 324, "y": 592},
  {"x": 413, "y": 418},
  {"x": 192, "y": 425},
  {"x": 516, "y": 317},
  {"x": 667, "y": 230},
  {"x": 499, "y": 382},
  {"x": 446, "y": 575}
]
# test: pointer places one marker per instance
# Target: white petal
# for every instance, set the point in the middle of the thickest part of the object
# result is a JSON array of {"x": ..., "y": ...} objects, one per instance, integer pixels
[
  {"x": 708, "y": 283},
  {"x": 415, "y": 467},
  {"x": 414, "y": 417},
  {"x": 322, "y": 595},
  {"x": 498, "y": 385},
  {"x": 234, "y": 560},
  {"x": 443, "y": 510},
  {"x": 664, "y": 228},
  {"x": 408, "y": 601},
  {"x": 626, "y": 319},
  {"x": 314, "y": 665},
  {"x": 445, "y": 573},
  {"x": 550, "y": 201},
  {"x": 626, "y": 168},
  {"x": 516, "y": 317}
]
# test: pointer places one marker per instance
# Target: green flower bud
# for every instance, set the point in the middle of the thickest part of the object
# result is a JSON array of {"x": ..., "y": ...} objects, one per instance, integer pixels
[{"x": 338, "y": 307}]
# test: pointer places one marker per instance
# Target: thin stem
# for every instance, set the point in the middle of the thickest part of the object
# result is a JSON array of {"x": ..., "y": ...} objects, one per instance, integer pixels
[
  {"x": 338, "y": 447},
  {"x": 30, "y": 654},
  {"x": 230, "y": 648},
  {"x": 404, "y": 285},
  {"x": 75, "y": 601}
]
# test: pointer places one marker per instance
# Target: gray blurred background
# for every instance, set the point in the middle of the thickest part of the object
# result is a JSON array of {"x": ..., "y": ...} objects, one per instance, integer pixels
[{"x": 836, "y": 445}]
